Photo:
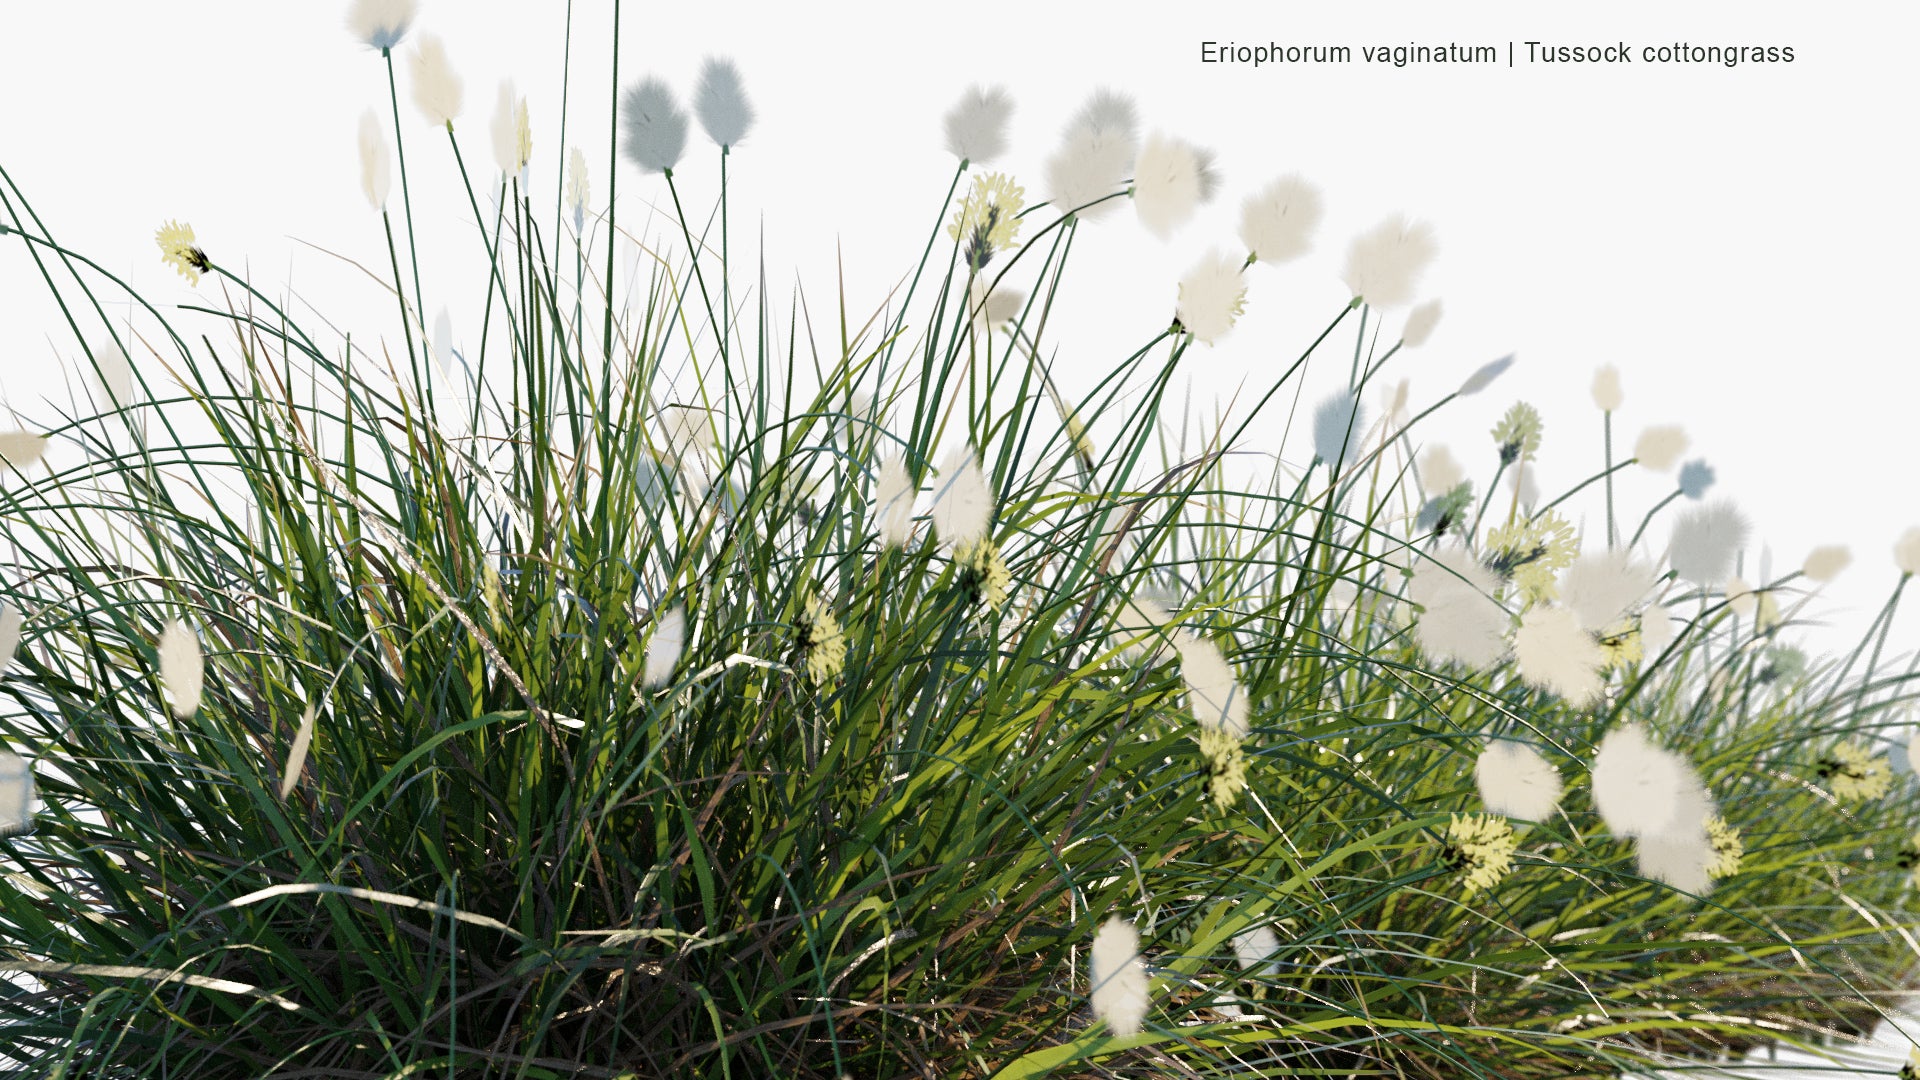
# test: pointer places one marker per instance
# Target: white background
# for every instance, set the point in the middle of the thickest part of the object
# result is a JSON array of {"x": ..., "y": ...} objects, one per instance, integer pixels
[{"x": 1738, "y": 241}]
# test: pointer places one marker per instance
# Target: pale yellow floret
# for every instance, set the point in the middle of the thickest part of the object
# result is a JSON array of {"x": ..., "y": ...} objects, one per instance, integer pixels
[
  {"x": 1854, "y": 772},
  {"x": 1483, "y": 846},
  {"x": 826, "y": 642},
  {"x": 990, "y": 574},
  {"x": 993, "y": 204},
  {"x": 1226, "y": 766},
  {"x": 1532, "y": 552},
  {"x": 1727, "y": 847},
  {"x": 178, "y": 251}
]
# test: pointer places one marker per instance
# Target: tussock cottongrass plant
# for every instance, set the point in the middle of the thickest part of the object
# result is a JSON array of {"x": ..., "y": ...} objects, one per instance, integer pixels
[
  {"x": 1212, "y": 296},
  {"x": 1823, "y": 564},
  {"x": 1421, "y": 322},
  {"x": 578, "y": 702},
  {"x": 977, "y": 125},
  {"x": 1278, "y": 221}
]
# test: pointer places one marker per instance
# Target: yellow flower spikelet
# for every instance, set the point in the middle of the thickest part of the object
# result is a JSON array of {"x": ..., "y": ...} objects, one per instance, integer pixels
[{"x": 1483, "y": 846}]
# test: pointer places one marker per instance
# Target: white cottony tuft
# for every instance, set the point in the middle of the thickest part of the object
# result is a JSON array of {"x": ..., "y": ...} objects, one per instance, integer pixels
[
  {"x": 669, "y": 640},
  {"x": 376, "y": 167},
  {"x": 297, "y": 757},
  {"x": 1825, "y": 563},
  {"x": 21, "y": 450},
  {"x": 16, "y": 794},
  {"x": 1705, "y": 540},
  {"x": 1603, "y": 587},
  {"x": 1555, "y": 654},
  {"x": 380, "y": 23},
  {"x": 1338, "y": 423},
  {"x": 1168, "y": 185},
  {"x": 1639, "y": 788},
  {"x": 720, "y": 101},
  {"x": 977, "y": 126},
  {"x": 1516, "y": 781},
  {"x": 1256, "y": 948},
  {"x": 1484, "y": 377},
  {"x": 577, "y": 188},
  {"x": 182, "y": 668},
  {"x": 1218, "y": 701},
  {"x": 992, "y": 310},
  {"x": 656, "y": 128},
  {"x": 1679, "y": 860},
  {"x": 1660, "y": 447},
  {"x": 1212, "y": 296},
  {"x": 893, "y": 494},
  {"x": 1277, "y": 222},
  {"x": 1385, "y": 263},
  {"x": 10, "y": 621},
  {"x": 1095, "y": 158},
  {"x": 1906, "y": 552},
  {"x": 1146, "y": 619},
  {"x": 1420, "y": 323},
  {"x": 1440, "y": 472},
  {"x": 1119, "y": 979},
  {"x": 115, "y": 375},
  {"x": 1606, "y": 389},
  {"x": 509, "y": 125},
  {"x": 1740, "y": 597},
  {"x": 443, "y": 341},
  {"x": 1656, "y": 630},
  {"x": 1460, "y": 620},
  {"x": 436, "y": 89},
  {"x": 962, "y": 504}
]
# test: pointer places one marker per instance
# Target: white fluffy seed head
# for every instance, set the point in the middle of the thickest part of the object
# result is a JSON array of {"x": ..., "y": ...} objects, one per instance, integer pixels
[
  {"x": 720, "y": 102},
  {"x": 962, "y": 503},
  {"x": 977, "y": 125},
  {"x": 656, "y": 128},
  {"x": 114, "y": 377},
  {"x": 1740, "y": 597},
  {"x": 1385, "y": 263},
  {"x": 894, "y": 493},
  {"x": 1554, "y": 654},
  {"x": 380, "y": 23},
  {"x": 1338, "y": 424},
  {"x": 665, "y": 647},
  {"x": 1089, "y": 166},
  {"x": 1681, "y": 861},
  {"x": 436, "y": 89},
  {"x": 297, "y": 756},
  {"x": 10, "y": 622},
  {"x": 1516, "y": 781},
  {"x": 1218, "y": 701},
  {"x": 1212, "y": 296},
  {"x": 1705, "y": 540},
  {"x": 579, "y": 186},
  {"x": 1659, "y": 448},
  {"x": 1460, "y": 619},
  {"x": 1603, "y": 587},
  {"x": 1144, "y": 621},
  {"x": 182, "y": 668},
  {"x": 1119, "y": 985},
  {"x": 1639, "y": 788},
  {"x": 511, "y": 131},
  {"x": 1168, "y": 185},
  {"x": 21, "y": 450},
  {"x": 1606, "y": 389},
  {"x": 1256, "y": 948},
  {"x": 1440, "y": 472},
  {"x": 376, "y": 167},
  {"x": 16, "y": 794},
  {"x": 1906, "y": 552},
  {"x": 1656, "y": 630},
  {"x": 1825, "y": 563},
  {"x": 1277, "y": 222},
  {"x": 1484, "y": 377},
  {"x": 1420, "y": 323},
  {"x": 992, "y": 310}
]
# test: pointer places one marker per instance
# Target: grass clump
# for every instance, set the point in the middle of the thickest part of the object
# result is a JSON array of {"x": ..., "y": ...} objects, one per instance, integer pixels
[{"x": 877, "y": 706}]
